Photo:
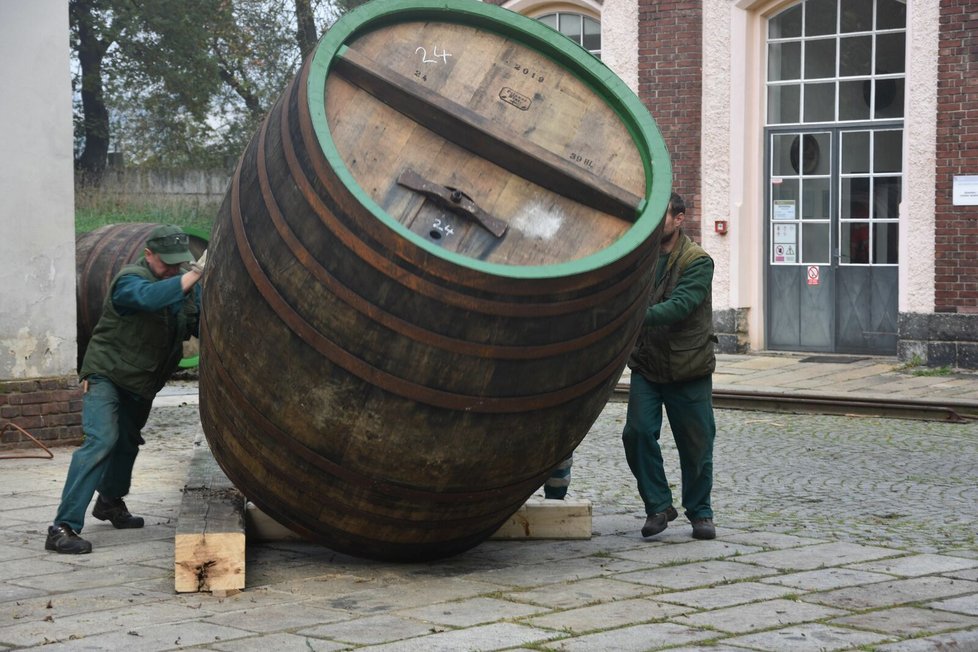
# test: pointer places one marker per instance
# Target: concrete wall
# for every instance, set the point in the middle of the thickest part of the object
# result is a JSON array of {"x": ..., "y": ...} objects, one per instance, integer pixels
[
  {"x": 37, "y": 278},
  {"x": 39, "y": 393}
]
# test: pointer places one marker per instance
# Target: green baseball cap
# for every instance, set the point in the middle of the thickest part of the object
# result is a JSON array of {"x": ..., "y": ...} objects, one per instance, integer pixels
[{"x": 170, "y": 244}]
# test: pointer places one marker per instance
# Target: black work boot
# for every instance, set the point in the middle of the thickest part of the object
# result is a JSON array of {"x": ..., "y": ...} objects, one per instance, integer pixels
[
  {"x": 62, "y": 539},
  {"x": 659, "y": 521},
  {"x": 114, "y": 510}
]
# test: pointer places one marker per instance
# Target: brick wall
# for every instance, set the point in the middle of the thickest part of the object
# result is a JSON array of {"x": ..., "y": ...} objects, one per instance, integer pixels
[
  {"x": 670, "y": 84},
  {"x": 956, "y": 237},
  {"x": 47, "y": 408}
]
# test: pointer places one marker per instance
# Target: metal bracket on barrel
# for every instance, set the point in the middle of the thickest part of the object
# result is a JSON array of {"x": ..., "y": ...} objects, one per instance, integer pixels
[{"x": 452, "y": 199}]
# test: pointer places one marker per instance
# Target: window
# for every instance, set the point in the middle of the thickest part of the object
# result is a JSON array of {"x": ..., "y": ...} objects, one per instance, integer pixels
[
  {"x": 836, "y": 61},
  {"x": 583, "y": 30}
]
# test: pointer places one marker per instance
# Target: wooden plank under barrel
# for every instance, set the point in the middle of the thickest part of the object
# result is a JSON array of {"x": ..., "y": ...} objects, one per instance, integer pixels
[{"x": 426, "y": 277}]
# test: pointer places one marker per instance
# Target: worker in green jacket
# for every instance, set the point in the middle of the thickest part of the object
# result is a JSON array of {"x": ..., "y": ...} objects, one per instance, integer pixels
[
  {"x": 152, "y": 306},
  {"x": 672, "y": 365}
]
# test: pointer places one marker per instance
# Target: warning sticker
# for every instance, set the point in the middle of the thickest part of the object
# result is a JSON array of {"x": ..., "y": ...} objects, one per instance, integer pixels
[{"x": 813, "y": 274}]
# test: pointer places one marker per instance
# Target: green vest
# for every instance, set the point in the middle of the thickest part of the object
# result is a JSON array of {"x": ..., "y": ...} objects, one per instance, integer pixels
[
  {"x": 683, "y": 350},
  {"x": 138, "y": 352}
]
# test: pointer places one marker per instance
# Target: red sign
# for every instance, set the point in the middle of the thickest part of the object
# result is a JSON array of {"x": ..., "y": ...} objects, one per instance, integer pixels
[{"x": 813, "y": 274}]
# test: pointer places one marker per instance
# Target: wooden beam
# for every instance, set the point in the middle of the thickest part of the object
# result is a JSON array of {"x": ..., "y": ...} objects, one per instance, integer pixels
[
  {"x": 210, "y": 540},
  {"x": 548, "y": 519}
]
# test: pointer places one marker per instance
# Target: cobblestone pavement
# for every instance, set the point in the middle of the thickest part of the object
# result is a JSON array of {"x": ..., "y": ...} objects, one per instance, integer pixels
[
  {"x": 909, "y": 484},
  {"x": 834, "y": 533}
]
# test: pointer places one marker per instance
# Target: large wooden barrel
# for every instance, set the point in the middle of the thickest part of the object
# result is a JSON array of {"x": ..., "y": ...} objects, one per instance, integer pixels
[
  {"x": 99, "y": 255},
  {"x": 426, "y": 277}
]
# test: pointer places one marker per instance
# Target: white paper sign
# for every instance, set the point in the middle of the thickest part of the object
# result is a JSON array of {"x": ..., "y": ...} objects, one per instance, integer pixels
[
  {"x": 965, "y": 191},
  {"x": 784, "y": 209},
  {"x": 786, "y": 233}
]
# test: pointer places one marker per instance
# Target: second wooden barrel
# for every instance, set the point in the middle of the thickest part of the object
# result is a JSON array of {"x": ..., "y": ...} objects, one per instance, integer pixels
[
  {"x": 99, "y": 255},
  {"x": 426, "y": 277}
]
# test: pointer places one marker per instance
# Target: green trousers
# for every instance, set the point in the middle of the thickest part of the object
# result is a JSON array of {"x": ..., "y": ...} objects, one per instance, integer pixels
[{"x": 689, "y": 406}]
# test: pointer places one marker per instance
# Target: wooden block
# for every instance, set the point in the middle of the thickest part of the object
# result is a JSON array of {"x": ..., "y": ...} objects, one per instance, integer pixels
[
  {"x": 210, "y": 539},
  {"x": 262, "y": 527},
  {"x": 548, "y": 519}
]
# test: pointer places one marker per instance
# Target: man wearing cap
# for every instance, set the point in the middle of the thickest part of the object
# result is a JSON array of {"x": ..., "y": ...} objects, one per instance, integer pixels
[{"x": 152, "y": 306}]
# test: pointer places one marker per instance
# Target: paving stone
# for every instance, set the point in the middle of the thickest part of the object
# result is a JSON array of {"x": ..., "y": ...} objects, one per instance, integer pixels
[
  {"x": 280, "y": 617},
  {"x": 827, "y": 579},
  {"x": 72, "y": 578},
  {"x": 582, "y": 593},
  {"x": 39, "y": 630},
  {"x": 963, "y": 641},
  {"x": 812, "y": 637},
  {"x": 770, "y": 539},
  {"x": 632, "y": 639},
  {"x": 473, "y": 611},
  {"x": 61, "y": 605},
  {"x": 609, "y": 614},
  {"x": 966, "y": 604},
  {"x": 726, "y": 595},
  {"x": 28, "y": 572},
  {"x": 162, "y": 637},
  {"x": 758, "y": 615},
  {"x": 891, "y": 594},
  {"x": 908, "y": 621},
  {"x": 278, "y": 643},
  {"x": 969, "y": 574},
  {"x": 918, "y": 565},
  {"x": 538, "y": 574},
  {"x": 370, "y": 630},
  {"x": 817, "y": 556},
  {"x": 497, "y": 636},
  {"x": 687, "y": 576},
  {"x": 688, "y": 550}
]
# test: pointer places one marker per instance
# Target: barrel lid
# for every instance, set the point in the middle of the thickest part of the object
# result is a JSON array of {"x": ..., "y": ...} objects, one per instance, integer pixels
[{"x": 486, "y": 138}]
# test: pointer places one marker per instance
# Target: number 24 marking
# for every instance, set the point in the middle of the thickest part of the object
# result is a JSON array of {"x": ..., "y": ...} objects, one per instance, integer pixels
[{"x": 424, "y": 55}]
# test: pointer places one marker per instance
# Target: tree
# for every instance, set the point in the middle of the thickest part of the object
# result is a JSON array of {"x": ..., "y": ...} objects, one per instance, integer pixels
[
  {"x": 95, "y": 26},
  {"x": 186, "y": 82}
]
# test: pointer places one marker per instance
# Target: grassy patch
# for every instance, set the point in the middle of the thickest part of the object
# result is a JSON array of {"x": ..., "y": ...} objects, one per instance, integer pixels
[{"x": 94, "y": 209}]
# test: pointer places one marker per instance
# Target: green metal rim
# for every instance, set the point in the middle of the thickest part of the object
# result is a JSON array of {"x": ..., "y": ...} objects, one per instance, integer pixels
[
  {"x": 204, "y": 234},
  {"x": 648, "y": 139}
]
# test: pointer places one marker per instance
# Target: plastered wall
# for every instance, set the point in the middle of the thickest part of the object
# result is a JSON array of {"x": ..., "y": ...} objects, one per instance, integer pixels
[{"x": 37, "y": 242}]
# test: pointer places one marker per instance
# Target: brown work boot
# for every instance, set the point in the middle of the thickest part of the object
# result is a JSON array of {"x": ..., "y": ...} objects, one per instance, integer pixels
[
  {"x": 115, "y": 511},
  {"x": 703, "y": 528},
  {"x": 659, "y": 521}
]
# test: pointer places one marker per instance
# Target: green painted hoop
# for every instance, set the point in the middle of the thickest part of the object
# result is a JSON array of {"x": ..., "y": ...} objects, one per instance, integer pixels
[
  {"x": 648, "y": 139},
  {"x": 205, "y": 235}
]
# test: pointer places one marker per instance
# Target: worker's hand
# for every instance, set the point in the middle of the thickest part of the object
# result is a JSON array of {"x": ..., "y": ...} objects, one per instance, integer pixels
[{"x": 198, "y": 265}]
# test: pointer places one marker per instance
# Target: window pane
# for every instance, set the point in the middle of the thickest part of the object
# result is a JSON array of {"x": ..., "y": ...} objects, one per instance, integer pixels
[
  {"x": 570, "y": 26},
  {"x": 550, "y": 20},
  {"x": 820, "y": 102},
  {"x": 854, "y": 99},
  {"x": 855, "y": 56},
  {"x": 784, "y": 61},
  {"x": 782, "y": 104},
  {"x": 592, "y": 34},
  {"x": 784, "y": 161},
  {"x": 855, "y": 152},
  {"x": 857, "y": 16},
  {"x": 886, "y": 198},
  {"x": 815, "y": 203},
  {"x": 885, "y": 243},
  {"x": 815, "y": 243},
  {"x": 891, "y": 14},
  {"x": 890, "y": 53},
  {"x": 888, "y": 151},
  {"x": 785, "y": 198},
  {"x": 854, "y": 247},
  {"x": 855, "y": 198},
  {"x": 820, "y": 17},
  {"x": 820, "y": 58},
  {"x": 889, "y": 98},
  {"x": 810, "y": 154},
  {"x": 787, "y": 24}
]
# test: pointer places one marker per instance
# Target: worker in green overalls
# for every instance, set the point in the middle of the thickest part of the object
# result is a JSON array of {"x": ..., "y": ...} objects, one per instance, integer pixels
[{"x": 672, "y": 365}]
